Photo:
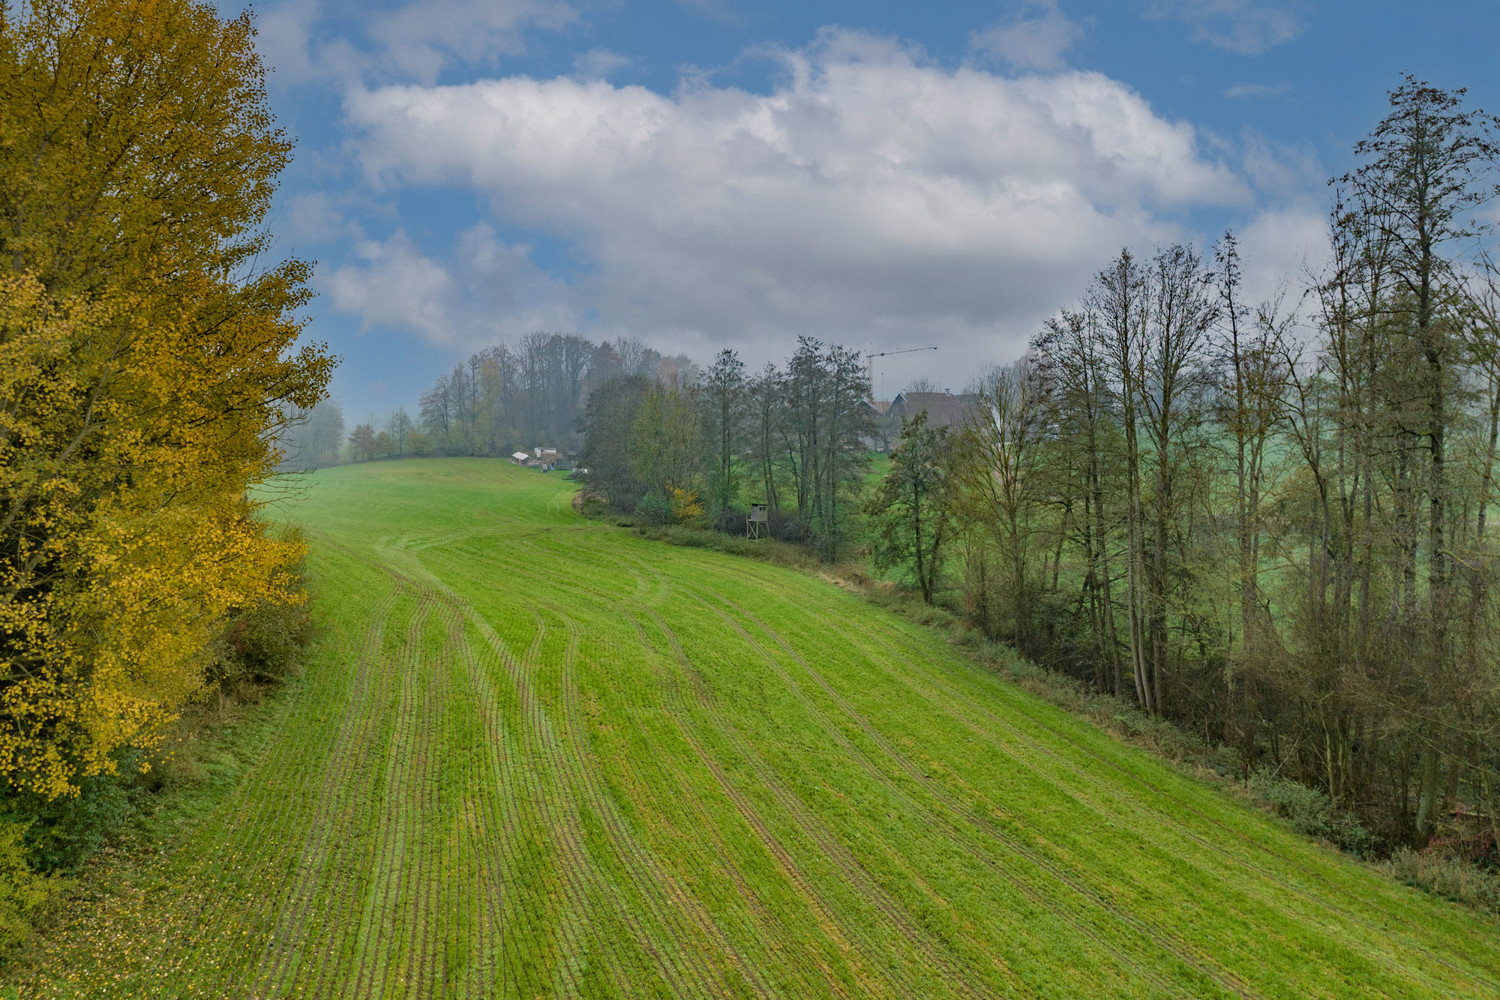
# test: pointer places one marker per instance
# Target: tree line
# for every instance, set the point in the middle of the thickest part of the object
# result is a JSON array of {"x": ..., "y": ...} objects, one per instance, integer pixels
[
  {"x": 1270, "y": 521},
  {"x": 794, "y": 438},
  {"x": 503, "y": 399}
]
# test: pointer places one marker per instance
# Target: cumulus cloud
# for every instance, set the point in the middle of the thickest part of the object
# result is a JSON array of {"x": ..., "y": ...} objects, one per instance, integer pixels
[
  {"x": 1285, "y": 173},
  {"x": 598, "y": 64},
  {"x": 486, "y": 291},
  {"x": 283, "y": 35},
  {"x": 1246, "y": 27},
  {"x": 318, "y": 217},
  {"x": 1035, "y": 36},
  {"x": 870, "y": 197},
  {"x": 311, "y": 40},
  {"x": 419, "y": 39},
  {"x": 1243, "y": 90},
  {"x": 1281, "y": 249}
]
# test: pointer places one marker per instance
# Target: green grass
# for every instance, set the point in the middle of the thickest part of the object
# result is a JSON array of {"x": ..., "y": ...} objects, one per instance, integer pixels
[{"x": 534, "y": 755}]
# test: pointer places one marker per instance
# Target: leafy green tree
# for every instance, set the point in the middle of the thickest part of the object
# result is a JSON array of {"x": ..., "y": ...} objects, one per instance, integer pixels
[
  {"x": 724, "y": 394},
  {"x": 362, "y": 443},
  {"x": 1000, "y": 466},
  {"x": 399, "y": 428},
  {"x": 911, "y": 511},
  {"x": 608, "y": 422},
  {"x": 665, "y": 444}
]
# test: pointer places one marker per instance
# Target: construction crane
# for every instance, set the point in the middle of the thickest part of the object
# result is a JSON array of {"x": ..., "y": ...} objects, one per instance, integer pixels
[{"x": 870, "y": 362}]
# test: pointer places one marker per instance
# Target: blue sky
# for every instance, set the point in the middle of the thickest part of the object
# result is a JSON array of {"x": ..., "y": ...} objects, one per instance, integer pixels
[{"x": 707, "y": 173}]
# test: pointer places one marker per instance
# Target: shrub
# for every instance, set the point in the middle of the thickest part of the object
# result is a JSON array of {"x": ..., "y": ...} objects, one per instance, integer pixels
[
  {"x": 730, "y": 521},
  {"x": 22, "y": 891},
  {"x": 654, "y": 509},
  {"x": 1311, "y": 812},
  {"x": 262, "y": 643},
  {"x": 787, "y": 528},
  {"x": 60, "y": 833},
  {"x": 590, "y": 504},
  {"x": 686, "y": 504},
  {"x": 1449, "y": 877}
]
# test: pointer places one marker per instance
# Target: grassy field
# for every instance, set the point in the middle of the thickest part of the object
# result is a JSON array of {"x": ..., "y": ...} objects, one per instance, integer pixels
[{"x": 539, "y": 756}]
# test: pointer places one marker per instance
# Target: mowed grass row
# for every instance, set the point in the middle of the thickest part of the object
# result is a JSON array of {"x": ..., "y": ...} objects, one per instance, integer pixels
[{"x": 538, "y": 756}]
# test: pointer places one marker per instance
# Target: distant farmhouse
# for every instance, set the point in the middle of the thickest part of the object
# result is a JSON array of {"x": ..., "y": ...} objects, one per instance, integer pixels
[
  {"x": 546, "y": 459},
  {"x": 943, "y": 409}
]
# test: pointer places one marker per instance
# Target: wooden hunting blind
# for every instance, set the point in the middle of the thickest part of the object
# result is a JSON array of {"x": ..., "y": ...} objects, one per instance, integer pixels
[{"x": 758, "y": 521}]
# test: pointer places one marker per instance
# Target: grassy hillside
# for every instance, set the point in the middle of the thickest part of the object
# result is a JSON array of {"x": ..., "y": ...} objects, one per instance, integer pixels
[{"x": 538, "y": 756}]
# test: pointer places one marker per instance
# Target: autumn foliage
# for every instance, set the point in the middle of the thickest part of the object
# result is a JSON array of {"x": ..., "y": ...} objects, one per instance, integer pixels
[{"x": 145, "y": 355}]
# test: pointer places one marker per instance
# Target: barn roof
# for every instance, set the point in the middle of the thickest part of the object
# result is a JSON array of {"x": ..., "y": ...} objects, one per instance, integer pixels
[{"x": 943, "y": 408}]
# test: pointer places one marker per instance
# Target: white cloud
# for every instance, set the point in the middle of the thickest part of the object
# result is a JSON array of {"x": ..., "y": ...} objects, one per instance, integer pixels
[
  {"x": 1035, "y": 36},
  {"x": 395, "y": 285},
  {"x": 421, "y": 38},
  {"x": 487, "y": 292},
  {"x": 1280, "y": 250},
  {"x": 1244, "y": 90},
  {"x": 598, "y": 64},
  {"x": 1247, "y": 27},
  {"x": 317, "y": 217},
  {"x": 1284, "y": 172},
  {"x": 311, "y": 40},
  {"x": 283, "y": 34},
  {"x": 869, "y": 198}
]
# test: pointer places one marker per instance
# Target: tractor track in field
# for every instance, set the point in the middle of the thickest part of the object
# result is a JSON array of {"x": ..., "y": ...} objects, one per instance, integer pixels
[
  {"x": 672, "y": 902},
  {"x": 1228, "y": 979},
  {"x": 267, "y": 820},
  {"x": 952, "y": 696},
  {"x": 1166, "y": 818},
  {"x": 369, "y": 843},
  {"x": 789, "y": 869},
  {"x": 757, "y": 925},
  {"x": 680, "y": 897},
  {"x": 854, "y": 871},
  {"x": 568, "y": 891},
  {"x": 330, "y": 830},
  {"x": 492, "y": 821},
  {"x": 580, "y": 876},
  {"x": 681, "y": 970},
  {"x": 1225, "y": 978},
  {"x": 827, "y": 842},
  {"x": 981, "y": 852},
  {"x": 375, "y": 924}
]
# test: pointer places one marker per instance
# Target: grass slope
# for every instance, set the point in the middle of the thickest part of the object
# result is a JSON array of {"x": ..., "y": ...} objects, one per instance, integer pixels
[{"x": 538, "y": 756}]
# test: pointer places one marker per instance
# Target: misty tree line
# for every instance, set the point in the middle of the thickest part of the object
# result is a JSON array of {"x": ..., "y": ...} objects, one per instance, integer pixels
[
  {"x": 503, "y": 399},
  {"x": 1272, "y": 522},
  {"x": 794, "y": 438}
]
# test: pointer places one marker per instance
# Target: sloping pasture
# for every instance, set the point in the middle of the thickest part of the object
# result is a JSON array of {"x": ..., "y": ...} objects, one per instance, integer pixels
[{"x": 538, "y": 756}]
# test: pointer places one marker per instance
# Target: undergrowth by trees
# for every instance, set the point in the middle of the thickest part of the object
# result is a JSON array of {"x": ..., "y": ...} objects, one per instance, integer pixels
[{"x": 147, "y": 357}]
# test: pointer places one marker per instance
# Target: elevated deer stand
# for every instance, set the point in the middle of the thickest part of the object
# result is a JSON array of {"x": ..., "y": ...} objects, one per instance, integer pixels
[{"x": 758, "y": 523}]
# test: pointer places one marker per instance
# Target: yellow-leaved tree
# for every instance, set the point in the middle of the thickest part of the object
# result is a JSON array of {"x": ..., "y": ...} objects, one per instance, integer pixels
[{"x": 146, "y": 355}]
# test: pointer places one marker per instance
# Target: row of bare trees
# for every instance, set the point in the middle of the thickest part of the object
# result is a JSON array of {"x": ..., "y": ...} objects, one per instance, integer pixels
[{"x": 1274, "y": 522}]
